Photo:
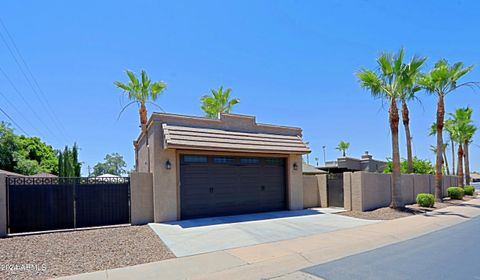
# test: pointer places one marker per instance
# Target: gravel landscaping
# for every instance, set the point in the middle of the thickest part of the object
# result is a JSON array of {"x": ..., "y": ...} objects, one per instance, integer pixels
[
  {"x": 43, "y": 256},
  {"x": 387, "y": 213}
]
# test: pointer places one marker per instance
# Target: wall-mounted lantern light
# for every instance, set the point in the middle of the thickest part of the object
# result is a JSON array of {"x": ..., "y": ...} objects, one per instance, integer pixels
[
  {"x": 295, "y": 166},
  {"x": 168, "y": 165}
]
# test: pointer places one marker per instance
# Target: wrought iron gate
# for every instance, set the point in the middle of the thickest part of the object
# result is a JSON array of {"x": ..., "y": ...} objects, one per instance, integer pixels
[
  {"x": 44, "y": 203},
  {"x": 335, "y": 189}
]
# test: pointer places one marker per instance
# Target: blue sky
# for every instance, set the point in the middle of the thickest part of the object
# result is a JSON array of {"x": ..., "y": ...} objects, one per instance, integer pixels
[{"x": 290, "y": 63}]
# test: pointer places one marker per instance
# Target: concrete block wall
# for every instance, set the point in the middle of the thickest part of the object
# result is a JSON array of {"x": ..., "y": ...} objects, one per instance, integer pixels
[
  {"x": 367, "y": 191},
  {"x": 314, "y": 191},
  {"x": 375, "y": 190},
  {"x": 141, "y": 198},
  {"x": 311, "y": 194}
]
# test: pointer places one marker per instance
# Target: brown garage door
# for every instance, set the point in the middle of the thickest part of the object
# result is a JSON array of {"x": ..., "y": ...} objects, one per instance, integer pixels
[{"x": 224, "y": 185}]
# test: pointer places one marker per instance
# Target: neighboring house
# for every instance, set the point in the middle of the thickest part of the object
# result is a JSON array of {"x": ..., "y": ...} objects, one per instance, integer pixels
[
  {"x": 9, "y": 173},
  {"x": 308, "y": 169},
  {"x": 345, "y": 164},
  {"x": 209, "y": 167},
  {"x": 475, "y": 177},
  {"x": 44, "y": 175},
  {"x": 108, "y": 176}
]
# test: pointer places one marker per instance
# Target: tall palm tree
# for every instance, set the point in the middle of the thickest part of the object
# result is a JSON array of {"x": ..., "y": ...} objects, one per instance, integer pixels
[
  {"x": 388, "y": 83},
  {"x": 464, "y": 131},
  {"x": 219, "y": 102},
  {"x": 442, "y": 80},
  {"x": 433, "y": 131},
  {"x": 408, "y": 93},
  {"x": 448, "y": 125},
  {"x": 471, "y": 129},
  {"x": 343, "y": 146},
  {"x": 140, "y": 91}
]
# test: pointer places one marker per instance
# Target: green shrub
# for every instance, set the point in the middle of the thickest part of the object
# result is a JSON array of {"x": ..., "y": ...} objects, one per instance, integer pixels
[
  {"x": 455, "y": 192},
  {"x": 469, "y": 190},
  {"x": 425, "y": 200}
]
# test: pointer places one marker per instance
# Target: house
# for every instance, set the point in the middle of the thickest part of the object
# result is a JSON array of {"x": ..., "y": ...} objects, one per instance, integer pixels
[
  {"x": 475, "y": 177},
  {"x": 345, "y": 164},
  {"x": 308, "y": 169},
  {"x": 205, "y": 167}
]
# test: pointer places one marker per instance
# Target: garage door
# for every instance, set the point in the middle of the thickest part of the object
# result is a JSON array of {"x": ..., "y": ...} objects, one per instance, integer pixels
[{"x": 224, "y": 185}]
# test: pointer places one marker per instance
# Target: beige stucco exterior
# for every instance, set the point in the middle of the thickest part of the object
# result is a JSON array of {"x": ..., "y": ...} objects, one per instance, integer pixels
[
  {"x": 141, "y": 194},
  {"x": 152, "y": 153}
]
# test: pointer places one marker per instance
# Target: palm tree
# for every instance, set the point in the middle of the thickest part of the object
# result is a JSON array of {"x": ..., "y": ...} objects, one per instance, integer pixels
[
  {"x": 408, "y": 93},
  {"x": 140, "y": 92},
  {"x": 388, "y": 83},
  {"x": 433, "y": 131},
  {"x": 434, "y": 150},
  {"x": 442, "y": 80},
  {"x": 343, "y": 146},
  {"x": 219, "y": 102},
  {"x": 464, "y": 131},
  {"x": 448, "y": 125}
]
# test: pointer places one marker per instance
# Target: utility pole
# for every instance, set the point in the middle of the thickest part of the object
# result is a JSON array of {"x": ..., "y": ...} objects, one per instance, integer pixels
[{"x": 324, "y": 155}]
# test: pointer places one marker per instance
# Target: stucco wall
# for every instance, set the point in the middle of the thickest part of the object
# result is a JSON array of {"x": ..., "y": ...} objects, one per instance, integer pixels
[
  {"x": 3, "y": 206},
  {"x": 322, "y": 187},
  {"x": 141, "y": 198},
  {"x": 165, "y": 181},
  {"x": 311, "y": 194},
  {"x": 295, "y": 182},
  {"x": 368, "y": 191},
  {"x": 142, "y": 155}
]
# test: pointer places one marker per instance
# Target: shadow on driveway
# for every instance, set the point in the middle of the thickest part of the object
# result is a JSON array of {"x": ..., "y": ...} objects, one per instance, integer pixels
[{"x": 243, "y": 218}]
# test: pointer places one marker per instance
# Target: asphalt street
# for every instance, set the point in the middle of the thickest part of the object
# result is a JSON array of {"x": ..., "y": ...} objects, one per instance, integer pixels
[{"x": 451, "y": 253}]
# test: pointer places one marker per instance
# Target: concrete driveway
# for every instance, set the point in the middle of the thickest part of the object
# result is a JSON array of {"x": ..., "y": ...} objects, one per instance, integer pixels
[{"x": 196, "y": 236}]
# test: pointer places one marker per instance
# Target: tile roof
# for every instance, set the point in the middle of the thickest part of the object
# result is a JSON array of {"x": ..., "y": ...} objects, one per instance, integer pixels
[{"x": 184, "y": 137}]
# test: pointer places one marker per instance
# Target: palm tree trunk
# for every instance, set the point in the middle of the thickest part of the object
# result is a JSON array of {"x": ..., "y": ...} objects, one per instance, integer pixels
[
  {"x": 143, "y": 113},
  {"x": 453, "y": 157},
  {"x": 438, "y": 164},
  {"x": 406, "y": 124},
  {"x": 394, "y": 121},
  {"x": 344, "y": 153},
  {"x": 460, "y": 163},
  {"x": 445, "y": 161},
  {"x": 467, "y": 163}
]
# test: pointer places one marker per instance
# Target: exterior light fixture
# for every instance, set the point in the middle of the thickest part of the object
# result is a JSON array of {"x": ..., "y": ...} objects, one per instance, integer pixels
[
  {"x": 168, "y": 165},
  {"x": 295, "y": 166}
]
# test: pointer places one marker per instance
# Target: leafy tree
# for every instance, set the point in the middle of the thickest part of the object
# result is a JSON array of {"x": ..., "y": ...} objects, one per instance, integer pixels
[
  {"x": 34, "y": 156},
  {"x": 420, "y": 166},
  {"x": 112, "y": 164},
  {"x": 8, "y": 145},
  {"x": 219, "y": 102},
  {"x": 68, "y": 164},
  {"x": 408, "y": 93},
  {"x": 442, "y": 80},
  {"x": 343, "y": 146},
  {"x": 140, "y": 91},
  {"x": 25, "y": 155},
  {"x": 389, "y": 82}
]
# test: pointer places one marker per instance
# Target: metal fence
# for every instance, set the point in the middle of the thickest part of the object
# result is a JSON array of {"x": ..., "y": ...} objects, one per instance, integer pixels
[{"x": 44, "y": 203}]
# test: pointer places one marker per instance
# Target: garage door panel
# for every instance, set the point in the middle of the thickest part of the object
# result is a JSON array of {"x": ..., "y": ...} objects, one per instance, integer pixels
[{"x": 231, "y": 185}]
